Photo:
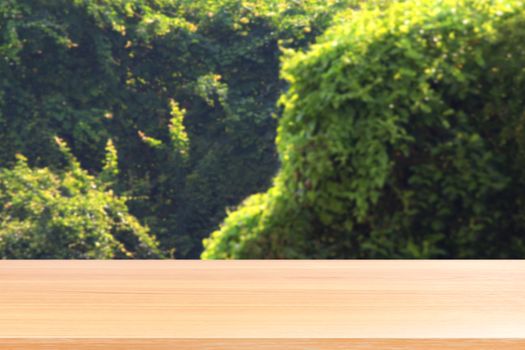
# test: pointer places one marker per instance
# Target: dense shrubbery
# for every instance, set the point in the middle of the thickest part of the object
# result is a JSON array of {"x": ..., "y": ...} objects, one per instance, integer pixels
[
  {"x": 67, "y": 214},
  {"x": 403, "y": 135},
  {"x": 185, "y": 88}
]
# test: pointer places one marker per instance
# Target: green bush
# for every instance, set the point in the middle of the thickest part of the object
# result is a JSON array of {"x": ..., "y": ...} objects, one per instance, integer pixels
[
  {"x": 68, "y": 214},
  {"x": 403, "y": 135}
]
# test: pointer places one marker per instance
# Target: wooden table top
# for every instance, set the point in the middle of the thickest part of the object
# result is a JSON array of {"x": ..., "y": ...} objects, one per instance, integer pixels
[{"x": 219, "y": 305}]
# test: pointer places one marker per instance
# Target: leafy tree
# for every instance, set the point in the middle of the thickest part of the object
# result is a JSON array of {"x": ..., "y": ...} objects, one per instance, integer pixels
[
  {"x": 68, "y": 214},
  {"x": 402, "y": 136},
  {"x": 185, "y": 89}
]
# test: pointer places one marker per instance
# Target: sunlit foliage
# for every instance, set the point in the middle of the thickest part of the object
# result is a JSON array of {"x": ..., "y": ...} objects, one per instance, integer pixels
[
  {"x": 67, "y": 214},
  {"x": 402, "y": 136}
]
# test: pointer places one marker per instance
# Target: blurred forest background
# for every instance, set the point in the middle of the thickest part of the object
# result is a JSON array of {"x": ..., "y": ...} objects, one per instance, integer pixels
[{"x": 262, "y": 129}]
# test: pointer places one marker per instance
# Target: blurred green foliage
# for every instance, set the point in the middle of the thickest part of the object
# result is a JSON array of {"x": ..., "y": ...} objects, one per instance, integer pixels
[
  {"x": 67, "y": 214},
  {"x": 403, "y": 135},
  {"x": 400, "y": 133},
  {"x": 185, "y": 89}
]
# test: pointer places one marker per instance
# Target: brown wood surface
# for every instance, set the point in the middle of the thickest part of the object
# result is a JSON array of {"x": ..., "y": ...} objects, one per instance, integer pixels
[
  {"x": 304, "y": 305},
  {"x": 261, "y": 344}
]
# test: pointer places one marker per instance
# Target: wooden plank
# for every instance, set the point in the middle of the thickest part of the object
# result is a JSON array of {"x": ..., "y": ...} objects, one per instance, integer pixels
[
  {"x": 262, "y": 304},
  {"x": 261, "y": 344}
]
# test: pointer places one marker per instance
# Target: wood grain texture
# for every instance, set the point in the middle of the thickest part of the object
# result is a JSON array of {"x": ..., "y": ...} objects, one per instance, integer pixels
[
  {"x": 260, "y": 344},
  {"x": 262, "y": 305}
]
